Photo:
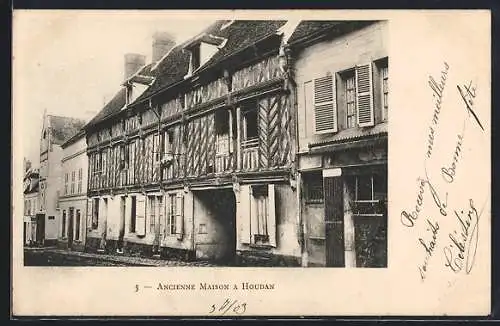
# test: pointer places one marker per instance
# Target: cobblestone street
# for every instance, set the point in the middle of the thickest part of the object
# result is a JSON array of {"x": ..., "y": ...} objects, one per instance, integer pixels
[{"x": 58, "y": 257}]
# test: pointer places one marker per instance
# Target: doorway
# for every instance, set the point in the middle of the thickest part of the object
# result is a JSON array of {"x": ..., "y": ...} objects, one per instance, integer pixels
[
  {"x": 215, "y": 225},
  {"x": 40, "y": 229},
  {"x": 334, "y": 221},
  {"x": 70, "y": 227}
]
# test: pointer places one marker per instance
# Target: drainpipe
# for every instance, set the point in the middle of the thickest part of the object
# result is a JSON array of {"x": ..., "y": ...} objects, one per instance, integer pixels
[
  {"x": 156, "y": 241},
  {"x": 290, "y": 84}
]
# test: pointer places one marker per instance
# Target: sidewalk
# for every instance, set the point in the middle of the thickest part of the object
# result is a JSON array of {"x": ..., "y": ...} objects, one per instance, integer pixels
[{"x": 128, "y": 260}]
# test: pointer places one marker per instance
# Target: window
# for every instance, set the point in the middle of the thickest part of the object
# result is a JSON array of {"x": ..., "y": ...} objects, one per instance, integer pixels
[
  {"x": 72, "y": 182},
  {"x": 77, "y": 225},
  {"x": 63, "y": 227},
  {"x": 369, "y": 195},
  {"x": 95, "y": 214},
  {"x": 161, "y": 216},
  {"x": 313, "y": 187},
  {"x": 168, "y": 144},
  {"x": 66, "y": 178},
  {"x": 250, "y": 123},
  {"x": 133, "y": 212},
  {"x": 195, "y": 58},
  {"x": 261, "y": 197},
  {"x": 223, "y": 131},
  {"x": 350, "y": 100},
  {"x": 172, "y": 213},
  {"x": 152, "y": 213},
  {"x": 260, "y": 228},
  {"x": 80, "y": 175},
  {"x": 384, "y": 72}
]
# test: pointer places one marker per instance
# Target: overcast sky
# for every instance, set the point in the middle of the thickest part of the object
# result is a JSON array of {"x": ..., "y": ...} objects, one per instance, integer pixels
[{"x": 70, "y": 62}]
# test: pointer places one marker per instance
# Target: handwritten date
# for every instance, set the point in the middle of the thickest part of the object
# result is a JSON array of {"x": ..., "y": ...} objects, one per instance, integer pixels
[{"x": 229, "y": 306}]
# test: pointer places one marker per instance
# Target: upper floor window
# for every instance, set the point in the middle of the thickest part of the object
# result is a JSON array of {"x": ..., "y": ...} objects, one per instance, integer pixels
[
  {"x": 223, "y": 131},
  {"x": 80, "y": 175},
  {"x": 66, "y": 178},
  {"x": 350, "y": 99},
  {"x": 72, "y": 182},
  {"x": 250, "y": 122},
  {"x": 382, "y": 84}
]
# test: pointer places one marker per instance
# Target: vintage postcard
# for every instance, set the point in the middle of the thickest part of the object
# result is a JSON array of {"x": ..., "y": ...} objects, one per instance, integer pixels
[{"x": 251, "y": 163}]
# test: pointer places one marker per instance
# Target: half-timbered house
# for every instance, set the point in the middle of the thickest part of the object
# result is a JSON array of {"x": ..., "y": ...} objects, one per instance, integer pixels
[{"x": 202, "y": 163}]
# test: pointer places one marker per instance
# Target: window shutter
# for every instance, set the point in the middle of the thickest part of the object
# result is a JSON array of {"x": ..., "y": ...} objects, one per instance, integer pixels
[
  {"x": 253, "y": 214},
  {"x": 128, "y": 212},
  {"x": 325, "y": 105},
  {"x": 89, "y": 213},
  {"x": 364, "y": 93},
  {"x": 271, "y": 216},
  {"x": 244, "y": 214},
  {"x": 140, "y": 223},
  {"x": 179, "y": 216}
]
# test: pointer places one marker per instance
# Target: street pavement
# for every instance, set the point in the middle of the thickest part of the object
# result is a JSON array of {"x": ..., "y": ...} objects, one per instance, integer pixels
[{"x": 59, "y": 257}]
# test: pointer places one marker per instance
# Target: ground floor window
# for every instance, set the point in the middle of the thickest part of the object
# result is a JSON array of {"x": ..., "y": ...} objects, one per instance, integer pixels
[
  {"x": 95, "y": 214},
  {"x": 313, "y": 187},
  {"x": 369, "y": 211},
  {"x": 133, "y": 207},
  {"x": 172, "y": 214},
  {"x": 262, "y": 215}
]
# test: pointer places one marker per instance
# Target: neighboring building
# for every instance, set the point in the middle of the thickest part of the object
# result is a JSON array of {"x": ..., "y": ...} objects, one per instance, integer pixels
[
  {"x": 342, "y": 83},
  {"x": 31, "y": 207},
  {"x": 55, "y": 131},
  {"x": 73, "y": 199}
]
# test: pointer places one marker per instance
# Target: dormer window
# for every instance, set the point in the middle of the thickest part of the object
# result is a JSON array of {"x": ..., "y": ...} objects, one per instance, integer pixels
[
  {"x": 195, "y": 57},
  {"x": 202, "y": 48}
]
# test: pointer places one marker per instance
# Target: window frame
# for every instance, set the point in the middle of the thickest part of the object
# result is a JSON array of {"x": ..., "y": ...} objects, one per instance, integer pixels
[
  {"x": 172, "y": 214},
  {"x": 307, "y": 179}
]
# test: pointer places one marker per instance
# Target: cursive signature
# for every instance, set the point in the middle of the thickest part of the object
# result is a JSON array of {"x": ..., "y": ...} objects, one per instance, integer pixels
[
  {"x": 229, "y": 306},
  {"x": 461, "y": 252}
]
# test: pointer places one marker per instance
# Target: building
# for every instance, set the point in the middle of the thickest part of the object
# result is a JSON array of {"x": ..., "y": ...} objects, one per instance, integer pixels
[
  {"x": 31, "y": 207},
  {"x": 210, "y": 140},
  {"x": 55, "y": 131},
  {"x": 216, "y": 159},
  {"x": 342, "y": 86},
  {"x": 73, "y": 199}
]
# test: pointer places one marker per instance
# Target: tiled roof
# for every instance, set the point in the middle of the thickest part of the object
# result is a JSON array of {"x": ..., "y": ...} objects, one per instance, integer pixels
[
  {"x": 242, "y": 34},
  {"x": 112, "y": 107},
  {"x": 63, "y": 128},
  {"x": 172, "y": 69},
  {"x": 73, "y": 139}
]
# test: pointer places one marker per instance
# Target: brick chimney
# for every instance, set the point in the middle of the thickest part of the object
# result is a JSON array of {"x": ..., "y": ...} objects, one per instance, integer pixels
[
  {"x": 133, "y": 62},
  {"x": 162, "y": 43}
]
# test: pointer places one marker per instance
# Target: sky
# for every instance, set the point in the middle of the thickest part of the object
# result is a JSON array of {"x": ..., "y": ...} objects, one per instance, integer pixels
[{"x": 70, "y": 62}]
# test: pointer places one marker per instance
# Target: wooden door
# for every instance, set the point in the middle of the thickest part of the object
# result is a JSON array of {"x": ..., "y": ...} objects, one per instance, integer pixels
[
  {"x": 40, "y": 229},
  {"x": 334, "y": 221},
  {"x": 70, "y": 227}
]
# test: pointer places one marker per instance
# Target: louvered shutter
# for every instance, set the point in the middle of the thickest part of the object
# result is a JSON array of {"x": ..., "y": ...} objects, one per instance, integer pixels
[
  {"x": 179, "y": 216},
  {"x": 271, "y": 215},
  {"x": 128, "y": 212},
  {"x": 140, "y": 219},
  {"x": 244, "y": 214},
  {"x": 325, "y": 105},
  {"x": 89, "y": 213},
  {"x": 364, "y": 93}
]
